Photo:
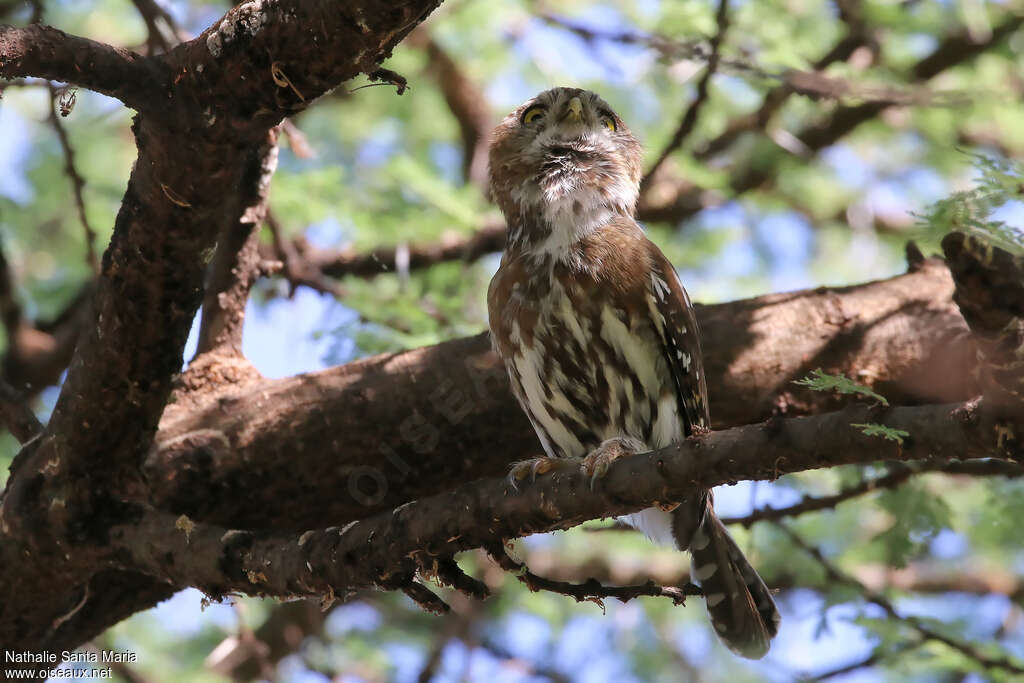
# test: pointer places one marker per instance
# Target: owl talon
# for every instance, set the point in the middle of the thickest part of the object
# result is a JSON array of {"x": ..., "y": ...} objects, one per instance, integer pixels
[
  {"x": 601, "y": 458},
  {"x": 532, "y": 468}
]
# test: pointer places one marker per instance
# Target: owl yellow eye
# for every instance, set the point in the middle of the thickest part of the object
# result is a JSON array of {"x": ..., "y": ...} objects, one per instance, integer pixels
[
  {"x": 609, "y": 123},
  {"x": 532, "y": 114}
]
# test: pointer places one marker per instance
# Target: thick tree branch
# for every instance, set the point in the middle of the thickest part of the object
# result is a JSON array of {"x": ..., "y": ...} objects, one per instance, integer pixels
[
  {"x": 381, "y": 431},
  {"x": 204, "y": 106},
  {"x": 386, "y": 550},
  {"x": 45, "y": 52}
]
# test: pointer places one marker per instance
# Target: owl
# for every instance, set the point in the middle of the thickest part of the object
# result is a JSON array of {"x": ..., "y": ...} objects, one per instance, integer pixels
[{"x": 598, "y": 336}]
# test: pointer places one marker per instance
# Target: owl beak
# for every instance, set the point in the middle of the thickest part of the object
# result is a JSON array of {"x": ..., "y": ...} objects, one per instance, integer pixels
[{"x": 575, "y": 110}]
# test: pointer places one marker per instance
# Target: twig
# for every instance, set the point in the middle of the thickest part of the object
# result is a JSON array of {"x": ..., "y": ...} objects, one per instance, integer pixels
[
  {"x": 590, "y": 590},
  {"x": 895, "y": 478},
  {"x": 693, "y": 111},
  {"x": 466, "y": 101},
  {"x": 874, "y": 658},
  {"x": 425, "y": 598},
  {"x": 308, "y": 265},
  {"x": 298, "y": 270},
  {"x": 158, "y": 38},
  {"x": 77, "y": 183},
  {"x": 689, "y": 199},
  {"x": 389, "y": 77},
  {"x": 927, "y": 632}
]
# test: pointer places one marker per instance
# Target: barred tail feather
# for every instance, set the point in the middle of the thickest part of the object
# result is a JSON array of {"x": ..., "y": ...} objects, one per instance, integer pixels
[{"x": 741, "y": 608}]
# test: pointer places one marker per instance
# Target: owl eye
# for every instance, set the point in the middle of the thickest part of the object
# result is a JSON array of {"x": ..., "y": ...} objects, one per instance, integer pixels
[
  {"x": 532, "y": 114},
  {"x": 609, "y": 123}
]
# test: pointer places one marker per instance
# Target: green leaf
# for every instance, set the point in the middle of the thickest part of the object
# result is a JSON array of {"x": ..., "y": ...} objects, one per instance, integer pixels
[
  {"x": 819, "y": 380},
  {"x": 875, "y": 429}
]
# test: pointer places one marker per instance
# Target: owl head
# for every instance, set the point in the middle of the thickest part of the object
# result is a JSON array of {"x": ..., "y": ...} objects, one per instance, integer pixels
[{"x": 566, "y": 160}]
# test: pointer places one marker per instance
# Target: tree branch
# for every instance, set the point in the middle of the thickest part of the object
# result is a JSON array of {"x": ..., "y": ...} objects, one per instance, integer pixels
[
  {"x": 590, "y": 590},
  {"x": 158, "y": 37},
  {"x": 467, "y": 103},
  {"x": 203, "y": 107},
  {"x": 77, "y": 183},
  {"x": 927, "y": 632},
  {"x": 387, "y": 549},
  {"x": 677, "y": 204},
  {"x": 314, "y": 263},
  {"x": 19, "y": 419},
  {"x": 896, "y": 477},
  {"x": 236, "y": 264},
  {"x": 381, "y": 431},
  {"x": 45, "y": 52},
  {"x": 689, "y": 120}
]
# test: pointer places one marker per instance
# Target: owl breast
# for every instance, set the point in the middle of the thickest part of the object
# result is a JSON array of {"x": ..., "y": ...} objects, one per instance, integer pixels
[{"x": 585, "y": 366}]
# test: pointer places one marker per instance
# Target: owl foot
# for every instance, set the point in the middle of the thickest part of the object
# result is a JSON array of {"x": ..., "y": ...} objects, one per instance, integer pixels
[
  {"x": 531, "y": 468},
  {"x": 600, "y": 459}
]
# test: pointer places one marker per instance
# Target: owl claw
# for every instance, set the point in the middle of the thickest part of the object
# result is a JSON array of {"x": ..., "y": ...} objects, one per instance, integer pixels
[
  {"x": 532, "y": 468},
  {"x": 596, "y": 464}
]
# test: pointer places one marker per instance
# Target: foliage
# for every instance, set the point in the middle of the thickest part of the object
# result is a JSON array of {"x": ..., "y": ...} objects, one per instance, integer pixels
[
  {"x": 875, "y": 429},
  {"x": 819, "y": 380},
  {"x": 999, "y": 182}
]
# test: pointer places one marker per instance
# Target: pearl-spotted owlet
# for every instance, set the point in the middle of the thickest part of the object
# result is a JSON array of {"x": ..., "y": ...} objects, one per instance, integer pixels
[{"x": 599, "y": 337}]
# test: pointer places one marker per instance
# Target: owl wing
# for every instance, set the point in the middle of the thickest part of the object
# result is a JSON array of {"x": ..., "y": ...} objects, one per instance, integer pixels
[{"x": 676, "y": 321}]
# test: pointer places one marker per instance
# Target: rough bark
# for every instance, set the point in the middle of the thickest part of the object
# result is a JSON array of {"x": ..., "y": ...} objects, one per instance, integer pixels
[
  {"x": 387, "y": 549},
  {"x": 204, "y": 110}
]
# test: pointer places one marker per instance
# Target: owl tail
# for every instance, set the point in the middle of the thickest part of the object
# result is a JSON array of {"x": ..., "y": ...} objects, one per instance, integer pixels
[{"x": 741, "y": 608}]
